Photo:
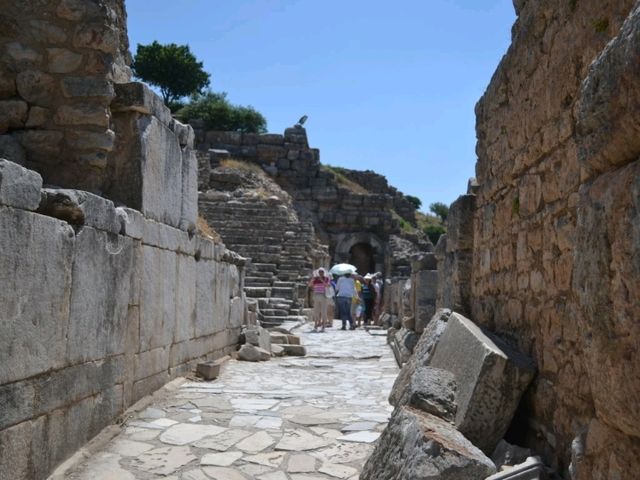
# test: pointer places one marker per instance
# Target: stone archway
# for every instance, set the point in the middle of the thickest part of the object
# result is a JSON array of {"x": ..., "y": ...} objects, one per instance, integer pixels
[
  {"x": 364, "y": 250},
  {"x": 361, "y": 255}
]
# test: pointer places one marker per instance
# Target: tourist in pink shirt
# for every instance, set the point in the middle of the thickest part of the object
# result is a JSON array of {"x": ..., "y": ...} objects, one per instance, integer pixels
[{"x": 319, "y": 285}]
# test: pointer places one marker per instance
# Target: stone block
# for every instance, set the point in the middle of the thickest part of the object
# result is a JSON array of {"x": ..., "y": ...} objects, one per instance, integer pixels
[
  {"x": 277, "y": 350},
  {"x": 15, "y": 451},
  {"x": 160, "y": 158},
  {"x": 426, "y": 292},
  {"x": 163, "y": 236},
  {"x": 402, "y": 345},
  {"x": 293, "y": 340},
  {"x": 531, "y": 469},
  {"x": 250, "y": 353},
  {"x": 132, "y": 222},
  {"x": 421, "y": 354},
  {"x": 10, "y": 149},
  {"x": 237, "y": 312},
  {"x": 207, "y": 313},
  {"x": 35, "y": 315},
  {"x": 211, "y": 369},
  {"x": 258, "y": 337},
  {"x": 138, "y": 97},
  {"x": 432, "y": 390},
  {"x": 13, "y": 114},
  {"x": 416, "y": 445},
  {"x": 491, "y": 378},
  {"x": 189, "y": 212},
  {"x": 19, "y": 187},
  {"x": 294, "y": 350},
  {"x": 185, "y": 299},
  {"x": 157, "y": 298},
  {"x": 271, "y": 139},
  {"x": 80, "y": 208},
  {"x": 101, "y": 281},
  {"x": 98, "y": 87},
  {"x": 151, "y": 362}
]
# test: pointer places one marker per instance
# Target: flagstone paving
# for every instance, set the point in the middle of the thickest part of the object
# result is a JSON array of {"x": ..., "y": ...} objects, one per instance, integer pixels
[{"x": 291, "y": 418}]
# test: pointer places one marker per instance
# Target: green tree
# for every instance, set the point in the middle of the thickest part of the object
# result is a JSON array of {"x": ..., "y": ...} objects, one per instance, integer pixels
[
  {"x": 434, "y": 232},
  {"x": 415, "y": 200},
  {"x": 440, "y": 209},
  {"x": 220, "y": 114},
  {"x": 172, "y": 68}
]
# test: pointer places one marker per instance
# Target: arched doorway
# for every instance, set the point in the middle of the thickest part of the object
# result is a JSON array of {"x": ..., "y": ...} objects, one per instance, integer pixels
[{"x": 361, "y": 256}]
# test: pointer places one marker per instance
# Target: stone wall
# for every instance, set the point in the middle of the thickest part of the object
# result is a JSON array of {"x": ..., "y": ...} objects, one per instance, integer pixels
[
  {"x": 98, "y": 310},
  {"x": 59, "y": 60},
  {"x": 344, "y": 214},
  {"x": 556, "y": 229},
  {"x": 104, "y": 297}
]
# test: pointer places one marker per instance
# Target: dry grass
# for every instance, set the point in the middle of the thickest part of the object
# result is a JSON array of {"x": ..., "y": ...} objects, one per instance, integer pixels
[
  {"x": 242, "y": 165},
  {"x": 206, "y": 230},
  {"x": 344, "y": 181}
]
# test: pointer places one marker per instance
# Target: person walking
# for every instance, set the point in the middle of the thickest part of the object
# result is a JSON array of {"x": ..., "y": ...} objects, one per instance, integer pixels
[
  {"x": 319, "y": 284},
  {"x": 345, "y": 290},
  {"x": 368, "y": 298}
]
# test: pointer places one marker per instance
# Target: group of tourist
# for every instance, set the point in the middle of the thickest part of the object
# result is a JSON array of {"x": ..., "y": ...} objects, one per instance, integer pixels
[{"x": 354, "y": 299}]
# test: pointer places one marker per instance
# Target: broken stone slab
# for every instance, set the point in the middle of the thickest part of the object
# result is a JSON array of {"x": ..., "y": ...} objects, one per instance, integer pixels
[
  {"x": 277, "y": 350},
  {"x": 491, "y": 378},
  {"x": 251, "y": 353},
  {"x": 277, "y": 337},
  {"x": 402, "y": 345},
  {"x": 19, "y": 187},
  {"x": 132, "y": 222},
  {"x": 432, "y": 390},
  {"x": 416, "y": 445},
  {"x": 80, "y": 208}
]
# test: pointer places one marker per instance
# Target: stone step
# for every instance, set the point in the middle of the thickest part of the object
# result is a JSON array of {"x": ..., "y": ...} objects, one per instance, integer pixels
[
  {"x": 274, "y": 302},
  {"x": 252, "y": 273},
  {"x": 265, "y": 267},
  {"x": 286, "y": 292},
  {"x": 281, "y": 284},
  {"x": 257, "y": 282},
  {"x": 257, "y": 292},
  {"x": 249, "y": 238},
  {"x": 274, "y": 312}
]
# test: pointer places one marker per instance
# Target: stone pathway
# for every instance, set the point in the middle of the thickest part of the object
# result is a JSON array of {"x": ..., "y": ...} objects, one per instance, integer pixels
[{"x": 292, "y": 418}]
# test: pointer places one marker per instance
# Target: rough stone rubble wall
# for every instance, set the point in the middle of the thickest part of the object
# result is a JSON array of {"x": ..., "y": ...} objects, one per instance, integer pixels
[
  {"x": 99, "y": 305},
  {"x": 556, "y": 229},
  {"x": 59, "y": 60},
  {"x": 342, "y": 217}
]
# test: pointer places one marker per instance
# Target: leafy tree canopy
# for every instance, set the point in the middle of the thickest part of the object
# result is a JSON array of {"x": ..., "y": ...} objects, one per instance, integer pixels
[
  {"x": 220, "y": 114},
  {"x": 434, "y": 232},
  {"x": 440, "y": 209},
  {"x": 172, "y": 68},
  {"x": 415, "y": 200}
]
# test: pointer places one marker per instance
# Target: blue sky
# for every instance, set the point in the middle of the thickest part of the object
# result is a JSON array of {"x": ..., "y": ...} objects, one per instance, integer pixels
[{"x": 388, "y": 86}]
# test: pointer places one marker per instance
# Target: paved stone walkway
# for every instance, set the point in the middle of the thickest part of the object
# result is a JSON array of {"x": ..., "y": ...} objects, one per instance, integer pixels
[{"x": 293, "y": 418}]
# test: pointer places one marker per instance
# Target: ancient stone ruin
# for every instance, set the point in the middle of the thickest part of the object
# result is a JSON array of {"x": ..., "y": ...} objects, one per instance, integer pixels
[{"x": 517, "y": 333}]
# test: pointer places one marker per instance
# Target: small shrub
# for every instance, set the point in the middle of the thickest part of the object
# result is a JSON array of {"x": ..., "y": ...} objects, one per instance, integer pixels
[
  {"x": 343, "y": 180},
  {"x": 243, "y": 165},
  {"x": 206, "y": 230},
  {"x": 434, "y": 232}
]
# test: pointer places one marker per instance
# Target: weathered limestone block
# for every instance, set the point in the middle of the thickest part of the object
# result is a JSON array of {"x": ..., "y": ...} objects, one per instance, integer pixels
[
  {"x": 34, "y": 315},
  {"x": 421, "y": 355},
  {"x": 403, "y": 343},
  {"x": 80, "y": 208},
  {"x": 169, "y": 238},
  {"x": 207, "y": 314},
  {"x": 132, "y": 222},
  {"x": 425, "y": 294},
  {"x": 186, "y": 298},
  {"x": 157, "y": 297},
  {"x": 606, "y": 281},
  {"x": 13, "y": 114},
  {"x": 258, "y": 337},
  {"x": 138, "y": 97},
  {"x": 432, "y": 390},
  {"x": 189, "y": 212},
  {"x": 251, "y": 353},
  {"x": 185, "y": 133},
  {"x": 101, "y": 280},
  {"x": 19, "y": 187},
  {"x": 491, "y": 378},
  {"x": 419, "y": 446},
  {"x": 608, "y": 121}
]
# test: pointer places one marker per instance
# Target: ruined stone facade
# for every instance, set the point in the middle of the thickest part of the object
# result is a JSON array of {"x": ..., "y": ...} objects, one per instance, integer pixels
[
  {"x": 356, "y": 220},
  {"x": 106, "y": 297},
  {"x": 553, "y": 264}
]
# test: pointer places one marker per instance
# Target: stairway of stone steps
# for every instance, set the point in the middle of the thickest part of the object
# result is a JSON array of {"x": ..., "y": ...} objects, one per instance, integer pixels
[{"x": 260, "y": 230}]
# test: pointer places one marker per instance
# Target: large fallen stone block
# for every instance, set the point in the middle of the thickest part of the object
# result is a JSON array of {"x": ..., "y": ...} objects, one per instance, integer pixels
[
  {"x": 432, "y": 390},
  {"x": 491, "y": 378},
  {"x": 421, "y": 354},
  {"x": 250, "y": 353},
  {"x": 419, "y": 446},
  {"x": 19, "y": 187},
  {"x": 402, "y": 344}
]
